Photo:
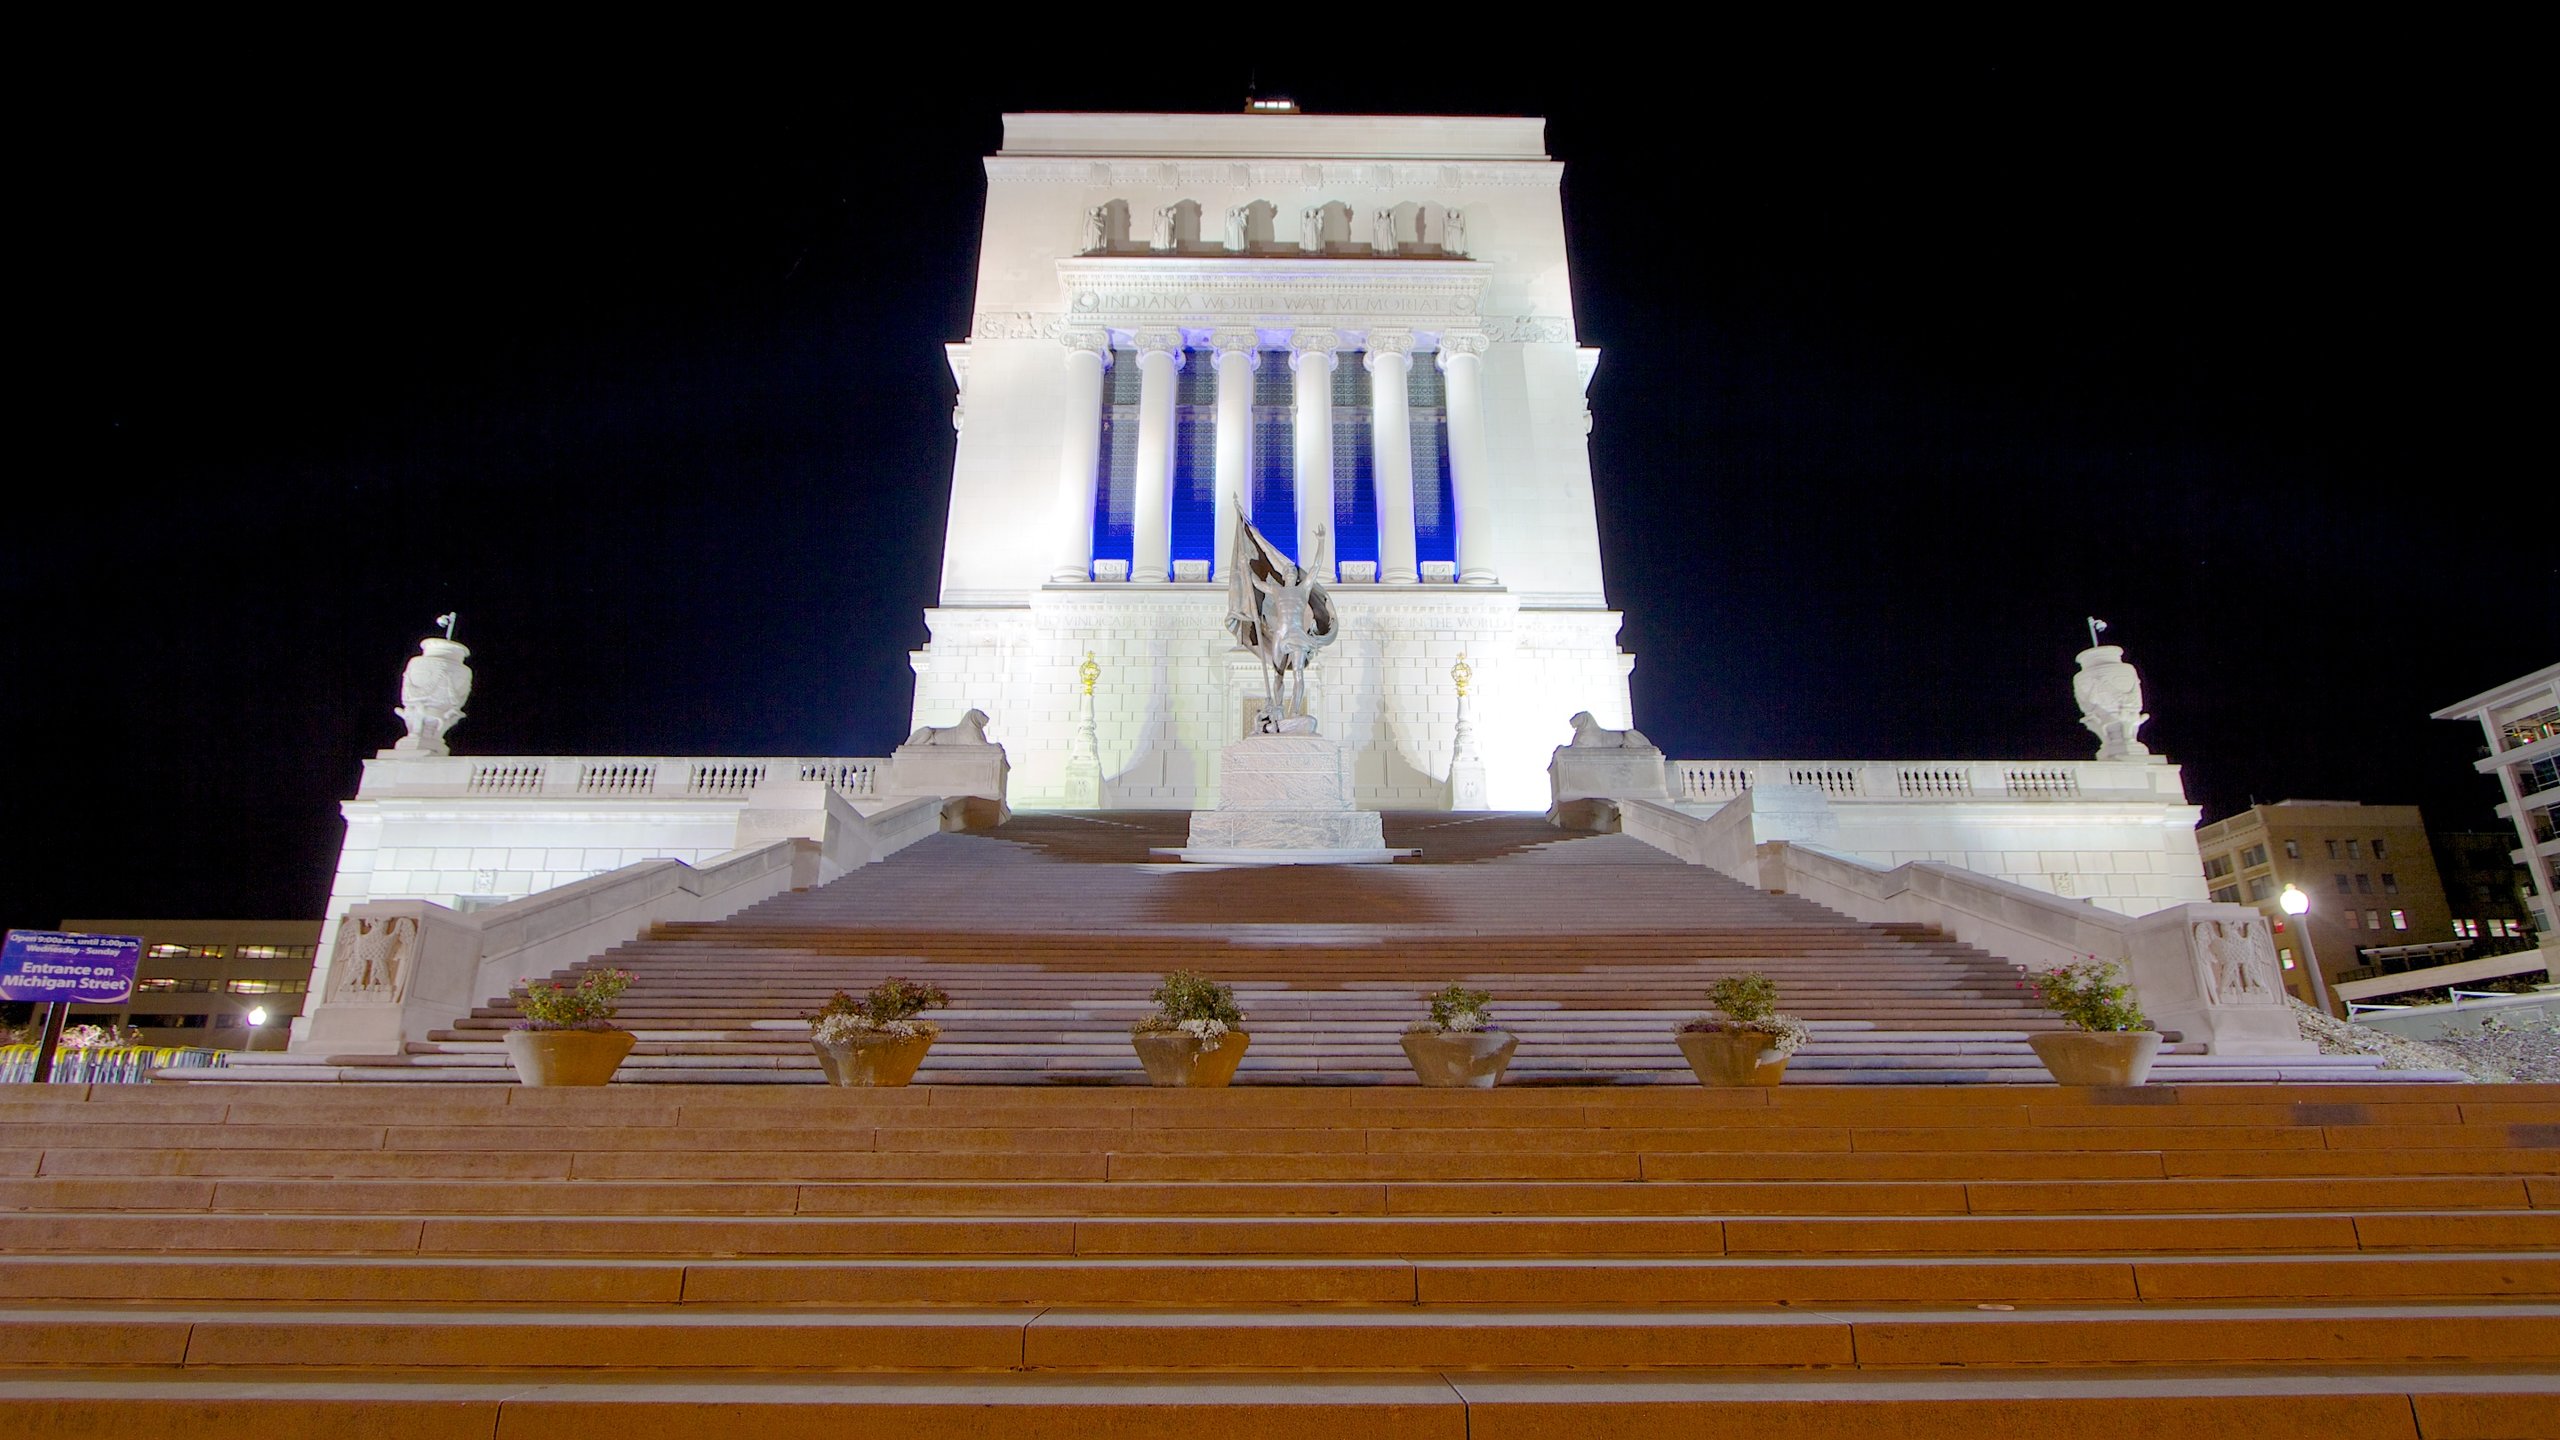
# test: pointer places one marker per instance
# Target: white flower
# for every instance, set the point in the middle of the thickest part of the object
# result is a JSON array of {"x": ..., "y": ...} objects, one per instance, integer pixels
[
  {"x": 841, "y": 1029},
  {"x": 1206, "y": 1032}
]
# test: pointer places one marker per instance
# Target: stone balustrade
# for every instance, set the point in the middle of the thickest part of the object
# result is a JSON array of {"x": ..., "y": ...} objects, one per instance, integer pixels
[
  {"x": 616, "y": 777},
  {"x": 1715, "y": 781}
]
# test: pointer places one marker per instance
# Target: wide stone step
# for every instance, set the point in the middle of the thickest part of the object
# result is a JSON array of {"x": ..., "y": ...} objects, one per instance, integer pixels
[
  {"x": 1252, "y": 1280},
  {"x": 641, "y": 1339},
  {"x": 2308, "y": 1403},
  {"x": 2297, "y": 1232},
  {"x": 1735, "y": 1191}
]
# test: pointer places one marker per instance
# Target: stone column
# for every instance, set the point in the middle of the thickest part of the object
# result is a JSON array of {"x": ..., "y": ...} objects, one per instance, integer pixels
[
  {"x": 1462, "y": 361},
  {"x": 1080, "y": 452},
  {"x": 1391, "y": 439},
  {"x": 1236, "y": 354},
  {"x": 1311, "y": 360},
  {"x": 1160, "y": 359}
]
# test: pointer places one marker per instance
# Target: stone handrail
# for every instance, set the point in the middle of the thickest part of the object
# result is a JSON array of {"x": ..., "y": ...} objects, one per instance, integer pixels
[
  {"x": 1721, "y": 842},
  {"x": 2208, "y": 971},
  {"x": 614, "y": 776},
  {"x": 447, "y": 961},
  {"x": 1714, "y": 781}
]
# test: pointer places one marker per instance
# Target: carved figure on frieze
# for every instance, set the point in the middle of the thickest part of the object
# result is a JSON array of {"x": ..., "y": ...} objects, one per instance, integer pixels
[
  {"x": 971, "y": 729},
  {"x": 1097, "y": 230},
  {"x": 1277, "y": 610},
  {"x": 2236, "y": 963},
  {"x": 1239, "y": 223},
  {"x": 1311, "y": 229},
  {"x": 433, "y": 688},
  {"x": 373, "y": 957},
  {"x": 1453, "y": 231},
  {"x": 1590, "y": 734},
  {"x": 1382, "y": 232}
]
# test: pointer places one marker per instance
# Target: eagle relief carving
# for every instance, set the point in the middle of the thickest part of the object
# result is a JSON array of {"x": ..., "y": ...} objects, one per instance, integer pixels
[
  {"x": 2236, "y": 963},
  {"x": 373, "y": 957}
]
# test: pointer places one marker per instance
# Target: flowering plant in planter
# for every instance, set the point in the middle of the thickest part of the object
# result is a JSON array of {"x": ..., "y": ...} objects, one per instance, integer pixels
[
  {"x": 1748, "y": 1041},
  {"x": 876, "y": 1040},
  {"x": 888, "y": 1013},
  {"x": 567, "y": 1035},
  {"x": 1750, "y": 1002},
  {"x": 2110, "y": 1042},
  {"x": 1192, "y": 1004},
  {"x": 585, "y": 1005},
  {"x": 1459, "y": 1046},
  {"x": 1196, "y": 1037},
  {"x": 2090, "y": 995},
  {"x": 1456, "y": 1010}
]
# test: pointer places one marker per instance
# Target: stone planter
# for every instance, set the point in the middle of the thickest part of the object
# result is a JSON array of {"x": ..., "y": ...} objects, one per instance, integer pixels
[
  {"x": 1460, "y": 1060},
  {"x": 567, "y": 1057},
  {"x": 2097, "y": 1057},
  {"x": 1732, "y": 1057},
  {"x": 1175, "y": 1059},
  {"x": 871, "y": 1062}
]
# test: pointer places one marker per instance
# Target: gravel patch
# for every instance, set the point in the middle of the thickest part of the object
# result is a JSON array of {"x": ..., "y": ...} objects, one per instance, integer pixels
[
  {"x": 2527, "y": 1050},
  {"x": 2338, "y": 1037}
]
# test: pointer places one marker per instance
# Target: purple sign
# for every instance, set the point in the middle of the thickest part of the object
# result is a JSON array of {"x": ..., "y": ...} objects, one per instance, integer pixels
[{"x": 49, "y": 966}]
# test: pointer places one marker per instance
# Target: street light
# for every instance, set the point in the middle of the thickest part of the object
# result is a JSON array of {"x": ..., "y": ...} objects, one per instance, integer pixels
[{"x": 2298, "y": 905}]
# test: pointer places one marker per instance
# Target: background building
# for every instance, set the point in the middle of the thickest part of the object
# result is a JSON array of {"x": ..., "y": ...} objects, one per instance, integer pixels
[
  {"x": 2522, "y": 721},
  {"x": 2369, "y": 870},
  {"x": 2486, "y": 889},
  {"x": 199, "y": 979}
]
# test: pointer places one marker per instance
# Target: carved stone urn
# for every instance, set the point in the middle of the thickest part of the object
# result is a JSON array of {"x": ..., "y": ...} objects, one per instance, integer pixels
[
  {"x": 1460, "y": 1059},
  {"x": 2097, "y": 1057},
  {"x": 2110, "y": 694},
  {"x": 1729, "y": 1058},
  {"x": 883, "y": 1062},
  {"x": 1176, "y": 1060},
  {"x": 567, "y": 1057},
  {"x": 433, "y": 690}
]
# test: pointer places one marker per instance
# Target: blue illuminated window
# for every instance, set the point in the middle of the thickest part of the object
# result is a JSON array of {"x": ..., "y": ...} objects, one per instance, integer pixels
[
  {"x": 1275, "y": 491},
  {"x": 1115, "y": 491},
  {"x": 1195, "y": 461},
  {"x": 1355, "y": 491},
  {"x": 1435, "y": 503}
]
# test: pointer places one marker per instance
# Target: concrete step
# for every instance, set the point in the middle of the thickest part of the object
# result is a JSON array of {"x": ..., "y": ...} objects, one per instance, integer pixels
[
  {"x": 2310, "y": 1403},
  {"x": 1293, "y": 1280},
  {"x": 2292, "y": 1232},
  {"x": 642, "y": 1339}
]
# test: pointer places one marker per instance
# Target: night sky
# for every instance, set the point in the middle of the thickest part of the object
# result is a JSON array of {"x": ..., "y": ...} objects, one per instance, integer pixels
[{"x": 1908, "y": 368}]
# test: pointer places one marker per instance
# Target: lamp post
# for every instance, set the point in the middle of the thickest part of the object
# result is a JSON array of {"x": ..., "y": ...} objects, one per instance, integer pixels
[{"x": 2298, "y": 905}]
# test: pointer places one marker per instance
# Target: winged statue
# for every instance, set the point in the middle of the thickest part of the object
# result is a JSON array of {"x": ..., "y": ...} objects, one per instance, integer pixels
[{"x": 1277, "y": 610}]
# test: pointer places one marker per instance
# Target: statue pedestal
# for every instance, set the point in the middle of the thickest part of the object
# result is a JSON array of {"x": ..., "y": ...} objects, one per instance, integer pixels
[
  {"x": 971, "y": 778},
  {"x": 1285, "y": 800},
  {"x": 1586, "y": 781}
]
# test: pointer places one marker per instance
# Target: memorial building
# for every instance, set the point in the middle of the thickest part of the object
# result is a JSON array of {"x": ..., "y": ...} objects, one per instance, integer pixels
[
  {"x": 1354, "y": 335},
  {"x": 1355, "y": 332}
]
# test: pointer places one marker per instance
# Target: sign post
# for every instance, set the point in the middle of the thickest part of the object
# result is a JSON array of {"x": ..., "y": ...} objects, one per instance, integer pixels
[{"x": 58, "y": 970}]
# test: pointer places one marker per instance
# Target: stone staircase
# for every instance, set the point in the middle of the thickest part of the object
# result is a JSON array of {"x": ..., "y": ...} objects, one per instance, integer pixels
[
  {"x": 1050, "y": 932},
  {"x": 274, "y": 1261}
]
